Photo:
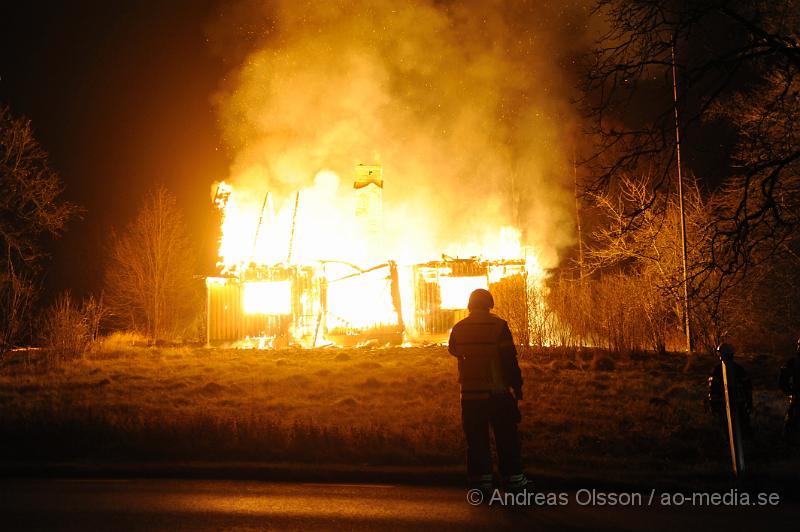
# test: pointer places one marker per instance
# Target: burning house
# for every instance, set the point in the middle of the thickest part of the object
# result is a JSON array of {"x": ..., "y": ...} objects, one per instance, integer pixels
[{"x": 274, "y": 289}]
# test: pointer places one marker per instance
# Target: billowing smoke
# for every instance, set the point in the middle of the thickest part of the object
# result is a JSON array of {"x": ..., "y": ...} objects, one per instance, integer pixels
[{"x": 464, "y": 104}]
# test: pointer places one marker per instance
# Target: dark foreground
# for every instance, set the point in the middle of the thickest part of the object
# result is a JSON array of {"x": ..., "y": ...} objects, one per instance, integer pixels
[
  {"x": 629, "y": 418},
  {"x": 71, "y": 504}
]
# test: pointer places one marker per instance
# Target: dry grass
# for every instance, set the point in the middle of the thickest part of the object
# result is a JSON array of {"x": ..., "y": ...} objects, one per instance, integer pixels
[{"x": 359, "y": 406}]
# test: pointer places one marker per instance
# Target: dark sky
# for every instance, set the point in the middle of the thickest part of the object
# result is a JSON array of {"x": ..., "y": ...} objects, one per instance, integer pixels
[{"x": 119, "y": 95}]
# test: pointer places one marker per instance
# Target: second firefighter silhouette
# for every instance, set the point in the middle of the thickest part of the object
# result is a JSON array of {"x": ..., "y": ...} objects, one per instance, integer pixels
[
  {"x": 790, "y": 385},
  {"x": 488, "y": 372},
  {"x": 739, "y": 387}
]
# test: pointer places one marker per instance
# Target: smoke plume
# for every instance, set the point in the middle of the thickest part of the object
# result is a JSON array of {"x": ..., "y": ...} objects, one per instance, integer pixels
[{"x": 464, "y": 104}]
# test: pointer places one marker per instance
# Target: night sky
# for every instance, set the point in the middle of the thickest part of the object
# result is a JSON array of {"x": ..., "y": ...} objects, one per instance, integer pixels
[{"x": 119, "y": 94}]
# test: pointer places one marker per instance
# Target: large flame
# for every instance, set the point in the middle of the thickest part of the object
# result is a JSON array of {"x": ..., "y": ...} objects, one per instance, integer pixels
[
  {"x": 320, "y": 223},
  {"x": 470, "y": 116},
  {"x": 356, "y": 253},
  {"x": 267, "y": 297}
]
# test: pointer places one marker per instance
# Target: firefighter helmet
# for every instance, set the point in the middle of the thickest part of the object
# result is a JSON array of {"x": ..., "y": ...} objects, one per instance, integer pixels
[
  {"x": 725, "y": 351},
  {"x": 480, "y": 299}
]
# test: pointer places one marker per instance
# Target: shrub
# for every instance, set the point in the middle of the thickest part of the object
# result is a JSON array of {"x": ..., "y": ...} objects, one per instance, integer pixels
[{"x": 69, "y": 330}]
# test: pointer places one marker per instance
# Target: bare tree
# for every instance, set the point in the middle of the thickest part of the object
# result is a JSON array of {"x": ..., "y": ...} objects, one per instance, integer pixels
[
  {"x": 149, "y": 285},
  {"x": 69, "y": 328},
  {"x": 719, "y": 47},
  {"x": 648, "y": 248},
  {"x": 651, "y": 240},
  {"x": 30, "y": 210},
  {"x": 759, "y": 210}
]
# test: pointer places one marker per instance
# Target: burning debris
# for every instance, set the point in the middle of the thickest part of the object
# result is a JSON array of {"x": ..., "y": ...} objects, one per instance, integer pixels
[
  {"x": 441, "y": 290},
  {"x": 469, "y": 130},
  {"x": 306, "y": 305},
  {"x": 292, "y": 276}
]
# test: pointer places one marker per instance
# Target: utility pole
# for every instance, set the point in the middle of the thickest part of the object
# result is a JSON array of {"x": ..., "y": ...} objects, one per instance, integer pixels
[
  {"x": 680, "y": 204},
  {"x": 578, "y": 213}
]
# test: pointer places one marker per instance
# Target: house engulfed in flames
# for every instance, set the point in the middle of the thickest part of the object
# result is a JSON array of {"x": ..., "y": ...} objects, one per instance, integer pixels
[{"x": 274, "y": 290}]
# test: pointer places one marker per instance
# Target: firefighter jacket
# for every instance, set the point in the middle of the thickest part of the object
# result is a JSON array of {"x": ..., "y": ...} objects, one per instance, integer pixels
[
  {"x": 739, "y": 385},
  {"x": 487, "y": 358}
]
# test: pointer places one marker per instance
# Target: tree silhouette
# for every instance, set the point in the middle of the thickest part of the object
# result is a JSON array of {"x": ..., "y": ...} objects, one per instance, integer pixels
[
  {"x": 30, "y": 210},
  {"x": 149, "y": 285},
  {"x": 738, "y": 63}
]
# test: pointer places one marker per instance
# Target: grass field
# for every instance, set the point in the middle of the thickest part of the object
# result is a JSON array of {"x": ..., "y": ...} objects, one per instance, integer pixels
[{"x": 393, "y": 406}]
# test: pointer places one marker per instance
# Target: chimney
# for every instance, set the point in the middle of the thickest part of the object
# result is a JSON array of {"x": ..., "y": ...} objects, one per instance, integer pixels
[{"x": 368, "y": 186}]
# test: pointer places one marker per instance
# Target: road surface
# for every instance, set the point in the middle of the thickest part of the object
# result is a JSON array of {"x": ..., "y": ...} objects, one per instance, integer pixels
[{"x": 157, "y": 504}]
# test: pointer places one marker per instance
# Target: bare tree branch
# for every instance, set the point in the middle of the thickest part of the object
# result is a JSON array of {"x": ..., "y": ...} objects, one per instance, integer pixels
[
  {"x": 30, "y": 210},
  {"x": 149, "y": 283}
]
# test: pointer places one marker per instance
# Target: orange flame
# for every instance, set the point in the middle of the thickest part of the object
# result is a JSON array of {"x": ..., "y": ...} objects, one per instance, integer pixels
[{"x": 338, "y": 231}]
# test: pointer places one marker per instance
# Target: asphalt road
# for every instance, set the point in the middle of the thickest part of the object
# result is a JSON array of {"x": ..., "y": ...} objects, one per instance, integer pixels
[{"x": 156, "y": 504}]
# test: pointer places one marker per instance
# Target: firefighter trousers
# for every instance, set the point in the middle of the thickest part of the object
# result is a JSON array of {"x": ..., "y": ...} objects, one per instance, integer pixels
[{"x": 500, "y": 412}]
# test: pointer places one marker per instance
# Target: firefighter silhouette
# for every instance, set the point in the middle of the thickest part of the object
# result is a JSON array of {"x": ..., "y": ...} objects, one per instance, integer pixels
[
  {"x": 739, "y": 387},
  {"x": 789, "y": 382},
  {"x": 491, "y": 386}
]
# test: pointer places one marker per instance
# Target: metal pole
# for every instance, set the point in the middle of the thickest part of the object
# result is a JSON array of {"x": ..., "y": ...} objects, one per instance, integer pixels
[
  {"x": 578, "y": 213},
  {"x": 680, "y": 204}
]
